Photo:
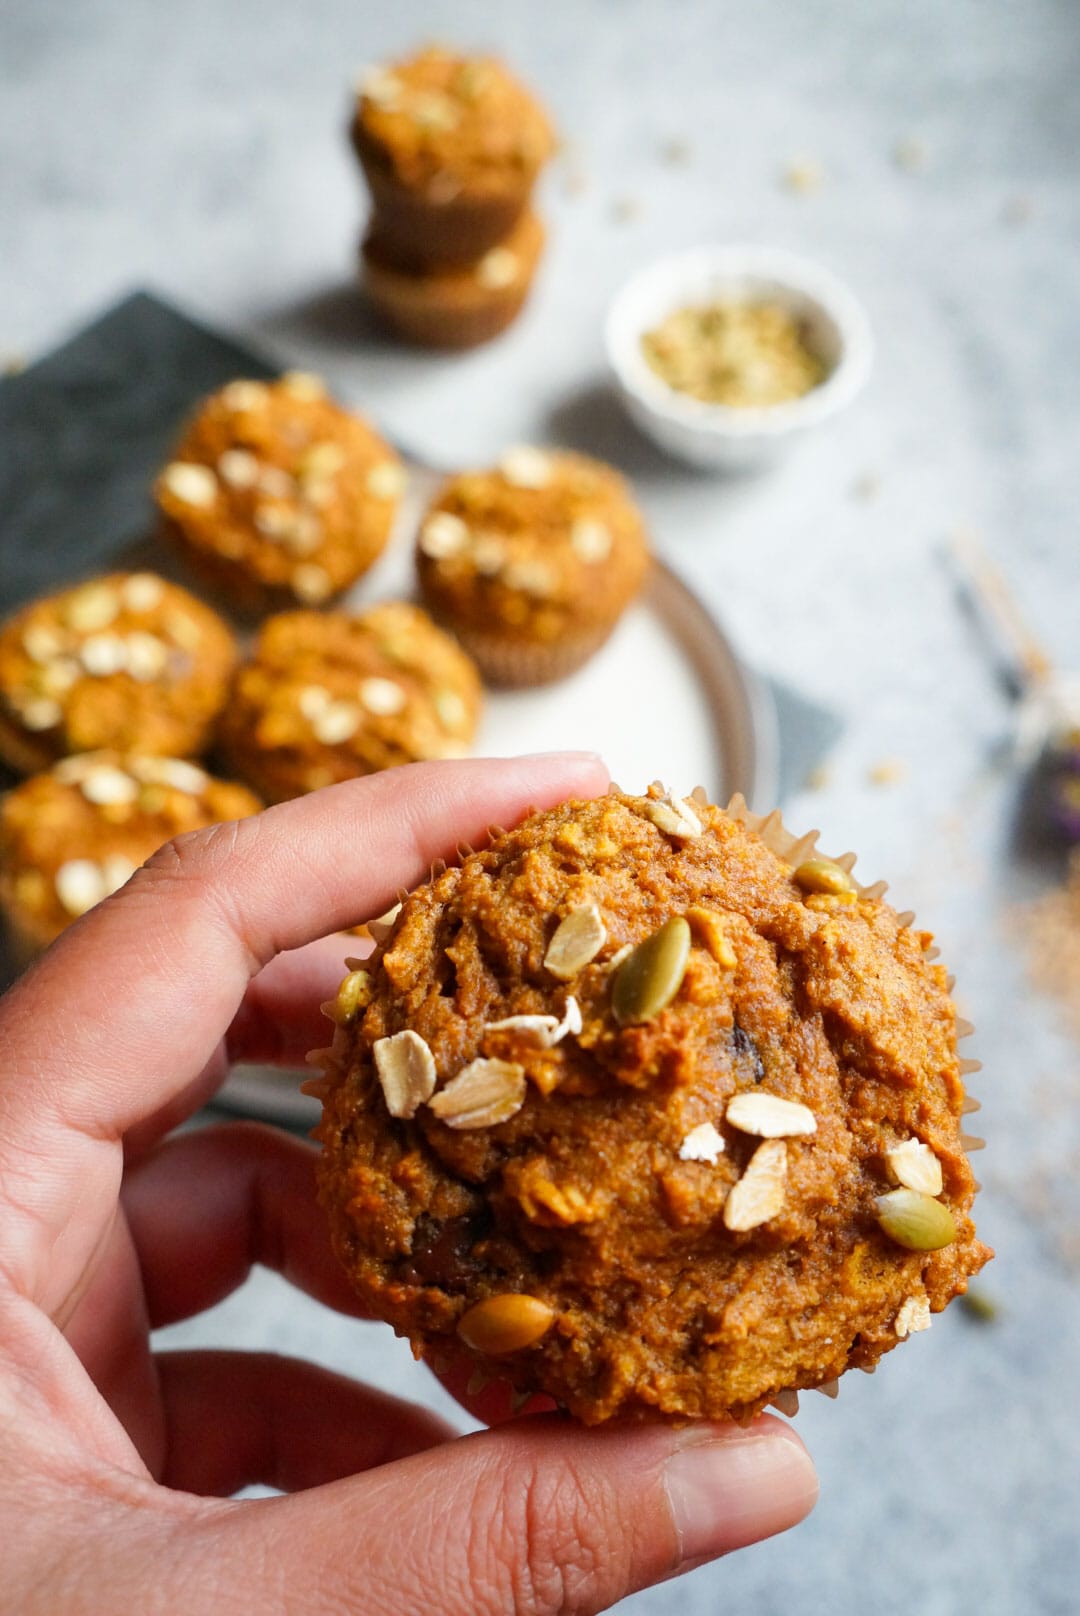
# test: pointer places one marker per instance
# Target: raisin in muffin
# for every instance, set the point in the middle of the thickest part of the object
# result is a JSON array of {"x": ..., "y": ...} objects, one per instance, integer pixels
[
  {"x": 533, "y": 563},
  {"x": 328, "y": 696},
  {"x": 126, "y": 660},
  {"x": 73, "y": 835},
  {"x": 450, "y": 146},
  {"x": 649, "y": 1108},
  {"x": 276, "y": 496}
]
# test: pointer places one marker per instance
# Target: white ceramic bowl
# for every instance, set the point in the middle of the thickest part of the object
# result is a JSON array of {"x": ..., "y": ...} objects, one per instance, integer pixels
[{"x": 722, "y": 435}]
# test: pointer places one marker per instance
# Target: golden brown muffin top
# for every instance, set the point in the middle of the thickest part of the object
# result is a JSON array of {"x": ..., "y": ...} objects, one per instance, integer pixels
[
  {"x": 444, "y": 123},
  {"x": 277, "y": 479},
  {"x": 331, "y": 695},
  {"x": 125, "y": 660},
  {"x": 546, "y": 543},
  {"x": 630, "y": 1065},
  {"x": 73, "y": 835}
]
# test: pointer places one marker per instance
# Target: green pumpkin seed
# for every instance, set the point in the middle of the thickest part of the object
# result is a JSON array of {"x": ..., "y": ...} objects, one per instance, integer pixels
[
  {"x": 652, "y": 974},
  {"x": 822, "y": 875},
  {"x": 353, "y": 995},
  {"x": 916, "y": 1221}
]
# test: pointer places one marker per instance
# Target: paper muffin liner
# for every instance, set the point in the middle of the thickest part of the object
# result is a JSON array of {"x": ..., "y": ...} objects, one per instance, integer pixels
[
  {"x": 497, "y": 1393},
  {"x": 518, "y": 665}
]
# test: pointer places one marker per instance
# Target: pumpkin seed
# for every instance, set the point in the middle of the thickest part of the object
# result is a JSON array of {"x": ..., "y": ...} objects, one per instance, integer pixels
[
  {"x": 501, "y": 1324},
  {"x": 916, "y": 1221},
  {"x": 824, "y": 875},
  {"x": 652, "y": 974}
]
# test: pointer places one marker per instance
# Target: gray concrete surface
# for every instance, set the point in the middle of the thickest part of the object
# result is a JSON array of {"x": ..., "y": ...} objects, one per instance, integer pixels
[{"x": 198, "y": 148}]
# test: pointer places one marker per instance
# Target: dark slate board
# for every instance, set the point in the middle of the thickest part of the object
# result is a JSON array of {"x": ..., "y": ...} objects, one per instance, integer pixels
[{"x": 84, "y": 430}]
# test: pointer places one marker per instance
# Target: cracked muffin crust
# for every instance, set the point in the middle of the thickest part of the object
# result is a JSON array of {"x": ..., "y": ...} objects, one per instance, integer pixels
[
  {"x": 328, "y": 696},
  {"x": 73, "y": 835},
  {"x": 532, "y": 563},
  {"x": 276, "y": 496},
  {"x": 451, "y": 147},
  {"x": 643, "y": 1116},
  {"x": 125, "y": 660}
]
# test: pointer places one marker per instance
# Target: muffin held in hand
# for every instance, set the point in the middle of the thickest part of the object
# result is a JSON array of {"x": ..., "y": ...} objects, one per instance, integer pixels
[
  {"x": 458, "y": 307},
  {"x": 451, "y": 147},
  {"x": 70, "y": 837},
  {"x": 277, "y": 496},
  {"x": 650, "y": 1108},
  {"x": 126, "y": 660},
  {"x": 532, "y": 564},
  {"x": 328, "y": 696}
]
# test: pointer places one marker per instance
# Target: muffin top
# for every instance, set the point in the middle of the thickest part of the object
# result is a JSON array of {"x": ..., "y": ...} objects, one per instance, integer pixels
[
  {"x": 444, "y": 123},
  {"x": 546, "y": 543},
  {"x": 648, "y": 1117},
  {"x": 331, "y": 695},
  {"x": 71, "y": 836},
  {"x": 126, "y": 660},
  {"x": 283, "y": 484}
]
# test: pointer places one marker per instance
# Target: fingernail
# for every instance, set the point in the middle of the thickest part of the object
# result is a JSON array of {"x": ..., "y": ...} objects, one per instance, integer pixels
[{"x": 729, "y": 1487}]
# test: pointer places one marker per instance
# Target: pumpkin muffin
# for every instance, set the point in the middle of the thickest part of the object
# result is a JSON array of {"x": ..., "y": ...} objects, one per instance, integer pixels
[
  {"x": 458, "y": 307},
  {"x": 450, "y": 146},
  {"x": 278, "y": 496},
  {"x": 532, "y": 564},
  {"x": 126, "y": 660},
  {"x": 71, "y": 836},
  {"x": 651, "y": 1109},
  {"x": 328, "y": 696}
]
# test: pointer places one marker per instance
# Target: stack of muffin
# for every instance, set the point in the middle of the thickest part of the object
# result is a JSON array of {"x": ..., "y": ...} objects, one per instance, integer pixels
[
  {"x": 451, "y": 147},
  {"x": 279, "y": 500}
]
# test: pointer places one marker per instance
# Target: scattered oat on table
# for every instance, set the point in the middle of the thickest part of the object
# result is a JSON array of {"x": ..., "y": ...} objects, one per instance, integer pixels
[
  {"x": 818, "y": 778},
  {"x": 980, "y": 1307},
  {"x": 911, "y": 153},
  {"x": 675, "y": 152},
  {"x": 804, "y": 175},
  {"x": 867, "y": 487},
  {"x": 887, "y": 772},
  {"x": 625, "y": 209},
  {"x": 1017, "y": 210}
]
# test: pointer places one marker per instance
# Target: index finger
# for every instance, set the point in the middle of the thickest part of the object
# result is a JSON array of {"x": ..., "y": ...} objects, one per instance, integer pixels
[{"x": 127, "y": 1007}]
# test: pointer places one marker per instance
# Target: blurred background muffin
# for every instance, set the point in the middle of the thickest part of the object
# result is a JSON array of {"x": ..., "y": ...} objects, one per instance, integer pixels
[
  {"x": 277, "y": 496},
  {"x": 125, "y": 660},
  {"x": 451, "y": 146},
  {"x": 460, "y": 305},
  {"x": 531, "y": 564},
  {"x": 73, "y": 835},
  {"x": 329, "y": 696}
]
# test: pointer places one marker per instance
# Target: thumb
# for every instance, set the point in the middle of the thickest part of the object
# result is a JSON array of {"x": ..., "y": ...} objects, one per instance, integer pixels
[{"x": 539, "y": 1517}]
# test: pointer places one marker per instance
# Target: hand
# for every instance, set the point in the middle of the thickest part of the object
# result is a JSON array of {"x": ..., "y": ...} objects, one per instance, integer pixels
[{"x": 114, "y": 1459}]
